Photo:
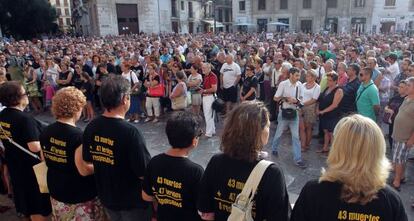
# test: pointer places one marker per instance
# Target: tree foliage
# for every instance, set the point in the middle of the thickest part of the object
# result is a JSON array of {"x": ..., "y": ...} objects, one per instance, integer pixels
[{"x": 27, "y": 18}]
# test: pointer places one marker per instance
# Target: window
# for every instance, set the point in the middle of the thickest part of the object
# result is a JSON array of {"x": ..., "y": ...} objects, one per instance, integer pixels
[
  {"x": 280, "y": 28},
  {"x": 306, "y": 26},
  {"x": 190, "y": 9},
  {"x": 220, "y": 15},
  {"x": 66, "y": 3},
  {"x": 67, "y": 12},
  {"x": 57, "y": 2},
  {"x": 262, "y": 25},
  {"x": 242, "y": 5},
  {"x": 390, "y": 2},
  {"x": 261, "y": 5},
  {"x": 182, "y": 5},
  {"x": 332, "y": 3},
  {"x": 174, "y": 8},
  {"x": 58, "y": 12},
  {"x": 307, "y": 4},
  {"x": 359, "y": 3},
  {"x": 190, "y": 27},
  {"x": 60, "y": 21},
  {"x": 283, "y": 4},
  {"x": 227, "y": 15},
  {"x": 68, "y": 21}
]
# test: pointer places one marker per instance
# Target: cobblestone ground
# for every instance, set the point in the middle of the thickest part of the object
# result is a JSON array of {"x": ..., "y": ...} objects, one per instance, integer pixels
[{"x": 295, "y": 177}]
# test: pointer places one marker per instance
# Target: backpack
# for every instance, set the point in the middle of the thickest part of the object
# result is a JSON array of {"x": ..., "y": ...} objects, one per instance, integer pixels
[{"x": 241, "y": 210}]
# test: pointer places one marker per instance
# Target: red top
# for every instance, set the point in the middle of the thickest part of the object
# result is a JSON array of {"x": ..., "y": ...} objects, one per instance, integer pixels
[{"x": 209, "y": 80}]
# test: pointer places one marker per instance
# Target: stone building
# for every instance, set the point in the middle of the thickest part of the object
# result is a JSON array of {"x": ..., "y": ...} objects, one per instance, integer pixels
[
  {"x": 392, "y": 16},
  {"x": 63, "y": 11},
  {"x": 113, "y": 17},
  {"x": 303, "y": 15}
]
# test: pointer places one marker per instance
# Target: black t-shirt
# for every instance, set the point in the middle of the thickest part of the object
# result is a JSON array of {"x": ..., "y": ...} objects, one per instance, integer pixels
[
  {"x": 23, "y": 129},
  {"x": 174, "y": 182},
  {"x": 321, "y": 201},
  {"x": 76, "y": 80},
  {"x": 348, "y": 104},
  {"x": 120, "y": 156},
  {"x": 224, "y": 179},
  {"x": 59, "y": 142},
  {"x": 248, "y": 83}
]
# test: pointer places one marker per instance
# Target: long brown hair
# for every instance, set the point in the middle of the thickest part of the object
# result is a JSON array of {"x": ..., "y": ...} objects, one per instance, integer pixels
[{"x": 242, "y": 134}]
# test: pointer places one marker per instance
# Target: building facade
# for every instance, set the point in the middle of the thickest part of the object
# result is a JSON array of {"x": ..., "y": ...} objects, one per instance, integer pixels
[
  {"x": 64, "y": 13},
  {"x": 113, "y": 17},
  {"x": 303, "y": 15},
  {"x": 391, "y": 16}
]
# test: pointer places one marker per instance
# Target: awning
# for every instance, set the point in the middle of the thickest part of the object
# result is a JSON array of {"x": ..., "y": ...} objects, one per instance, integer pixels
[
  {"x": 277, "y": 23},
  {"x": 211, "y": 22},
  {"x": 243, "y": 24}
]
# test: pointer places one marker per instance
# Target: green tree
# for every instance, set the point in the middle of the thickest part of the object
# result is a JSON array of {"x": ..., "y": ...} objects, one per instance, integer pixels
[{"x": 27, "y": 18}]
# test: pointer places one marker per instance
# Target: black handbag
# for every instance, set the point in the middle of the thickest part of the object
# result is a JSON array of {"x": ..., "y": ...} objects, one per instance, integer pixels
[
  {"x": 289, "y": 113},
  {"x": 218, "y": 104}
]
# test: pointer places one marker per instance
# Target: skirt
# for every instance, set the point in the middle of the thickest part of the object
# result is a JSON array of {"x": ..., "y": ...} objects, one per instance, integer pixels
[
  {"x": 86, "y": 211},
  {"x": 196, "y": 99},
  {"x": 309, "y": 114},
  {"x": 32, "y": 90}
]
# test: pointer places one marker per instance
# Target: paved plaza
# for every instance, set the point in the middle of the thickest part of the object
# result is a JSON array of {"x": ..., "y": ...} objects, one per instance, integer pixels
[{"x": 295, "y": 177}]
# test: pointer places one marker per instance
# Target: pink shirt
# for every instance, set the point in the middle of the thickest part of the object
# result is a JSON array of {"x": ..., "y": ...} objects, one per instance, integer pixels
[{"x": 343, "y": 79}]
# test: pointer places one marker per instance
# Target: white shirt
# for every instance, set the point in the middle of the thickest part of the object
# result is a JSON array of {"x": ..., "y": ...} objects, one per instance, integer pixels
[
  {"x": 287, "y": 89},
  {"x": 312, "y": 93},
  {"x": 130, "y": 76},
  {"x": 230, "y": 73},
  {"x": 394, "y": 70},
  {"x": 275, "y": 77}
]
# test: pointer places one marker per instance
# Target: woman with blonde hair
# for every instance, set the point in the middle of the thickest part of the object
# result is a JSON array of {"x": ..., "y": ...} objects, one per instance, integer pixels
[
  {"x": 71, "y": 184},
  {"x": 227, "y": 172},
  {"x": 353, "y": 186}
]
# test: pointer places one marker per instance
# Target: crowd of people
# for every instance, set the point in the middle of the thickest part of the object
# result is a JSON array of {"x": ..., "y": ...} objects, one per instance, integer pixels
[{"x": 299, "y": 81}]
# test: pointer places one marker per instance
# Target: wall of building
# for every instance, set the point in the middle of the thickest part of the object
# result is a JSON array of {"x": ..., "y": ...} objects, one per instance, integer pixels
[
  {"x": 154, "y": 16},
  {"x": 342, "y": 15},
  {"x": 401, "y": 15},
  {"x": 63, "y": 10}
]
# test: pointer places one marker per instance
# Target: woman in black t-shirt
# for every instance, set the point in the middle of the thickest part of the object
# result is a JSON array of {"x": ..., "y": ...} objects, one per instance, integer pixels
[
  {"x": 71, "y": 185},
  {"x": 249, "y": 87},
  {"x": 24, "y": 130},
  {"x": 353, "y": 186},
  {"x": 227, "y": 172}
]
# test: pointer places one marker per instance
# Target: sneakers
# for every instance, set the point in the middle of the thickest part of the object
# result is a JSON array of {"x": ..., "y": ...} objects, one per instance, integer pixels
[
  {"x": 300, "y": 164},
  {"x": 155, "y": 120},
  {"x": 136, "y": 121}
]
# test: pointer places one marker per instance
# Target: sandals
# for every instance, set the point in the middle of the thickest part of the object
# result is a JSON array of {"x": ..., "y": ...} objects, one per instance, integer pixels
[{"x": 322, "y": 151}]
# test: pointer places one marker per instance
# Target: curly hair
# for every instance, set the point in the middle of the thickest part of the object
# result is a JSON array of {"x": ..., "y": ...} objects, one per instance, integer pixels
[{"x": 67, "y": 102}]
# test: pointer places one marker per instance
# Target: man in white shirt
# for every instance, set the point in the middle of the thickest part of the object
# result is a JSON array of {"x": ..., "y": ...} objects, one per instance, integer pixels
[
  {"x": 290, "y": 93},
  {"x": 229, "y": 78},
  {"x": 393, "y": 69}
]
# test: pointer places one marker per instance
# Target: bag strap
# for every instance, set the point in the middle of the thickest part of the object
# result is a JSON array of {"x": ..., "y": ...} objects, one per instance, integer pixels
[
  {"x": 359, "y": 96},
  {"x": 250, "y": 187},
  {"x": 18, "y": 145}
]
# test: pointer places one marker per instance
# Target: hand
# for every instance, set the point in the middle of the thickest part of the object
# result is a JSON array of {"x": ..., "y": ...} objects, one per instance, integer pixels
[
  {"x": 292, "y": 100},
  {"x": 320, "y": 112}
]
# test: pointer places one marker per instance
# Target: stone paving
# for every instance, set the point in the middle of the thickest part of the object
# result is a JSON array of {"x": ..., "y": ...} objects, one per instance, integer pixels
[{"x": 295, "y": 177}]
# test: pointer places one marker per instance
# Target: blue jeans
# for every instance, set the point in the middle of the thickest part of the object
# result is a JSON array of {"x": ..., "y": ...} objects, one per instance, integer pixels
[{"x": 294, "y": 130}]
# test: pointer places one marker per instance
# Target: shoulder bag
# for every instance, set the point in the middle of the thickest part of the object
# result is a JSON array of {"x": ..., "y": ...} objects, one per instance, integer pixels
[
  {"x": 39, "y": 169},
  {"x": 241, "y": 210},
  {"x": 179, "y": 103},
  {"x": 289, "y": 113}
]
